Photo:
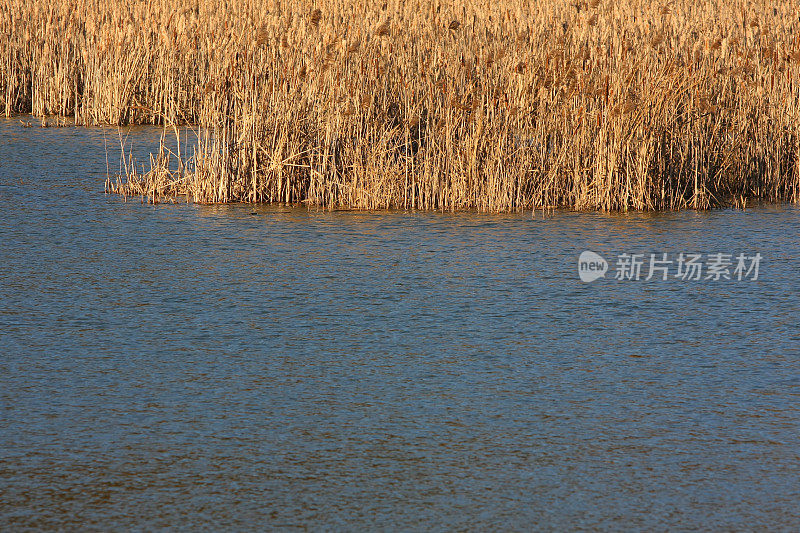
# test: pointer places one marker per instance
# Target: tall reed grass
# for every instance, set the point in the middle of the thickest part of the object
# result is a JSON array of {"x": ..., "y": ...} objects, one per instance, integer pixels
[{"x": 418, "y": 104}]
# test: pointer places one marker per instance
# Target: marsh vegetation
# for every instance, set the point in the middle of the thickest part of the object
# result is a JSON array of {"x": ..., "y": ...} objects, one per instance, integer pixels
[{"x": 447, "y": 105}]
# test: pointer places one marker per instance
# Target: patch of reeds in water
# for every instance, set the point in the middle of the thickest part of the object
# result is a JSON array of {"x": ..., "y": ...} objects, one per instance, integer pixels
[{"x": 488, "y": 105}]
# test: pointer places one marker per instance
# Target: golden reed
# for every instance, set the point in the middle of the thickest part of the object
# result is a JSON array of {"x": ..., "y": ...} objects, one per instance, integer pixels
[{"x": 493, "y": 105}]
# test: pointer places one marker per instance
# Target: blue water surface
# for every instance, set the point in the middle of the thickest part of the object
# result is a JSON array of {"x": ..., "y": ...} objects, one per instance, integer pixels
[{"x": 238, "y": 367}]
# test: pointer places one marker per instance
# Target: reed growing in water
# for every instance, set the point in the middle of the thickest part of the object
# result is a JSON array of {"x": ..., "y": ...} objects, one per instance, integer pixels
[{"x": 418, "y": 104}]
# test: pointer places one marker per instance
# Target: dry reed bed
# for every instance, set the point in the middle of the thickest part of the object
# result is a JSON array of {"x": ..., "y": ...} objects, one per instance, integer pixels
[{"x": 460, "y": 104}]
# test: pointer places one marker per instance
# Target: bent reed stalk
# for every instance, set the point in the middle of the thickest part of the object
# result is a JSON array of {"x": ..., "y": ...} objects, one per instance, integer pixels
[{"x": 450, "y": 104}]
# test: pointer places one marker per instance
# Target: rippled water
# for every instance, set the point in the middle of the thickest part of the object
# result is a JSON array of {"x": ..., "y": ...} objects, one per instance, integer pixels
[{"x": 206, "y": 367}]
